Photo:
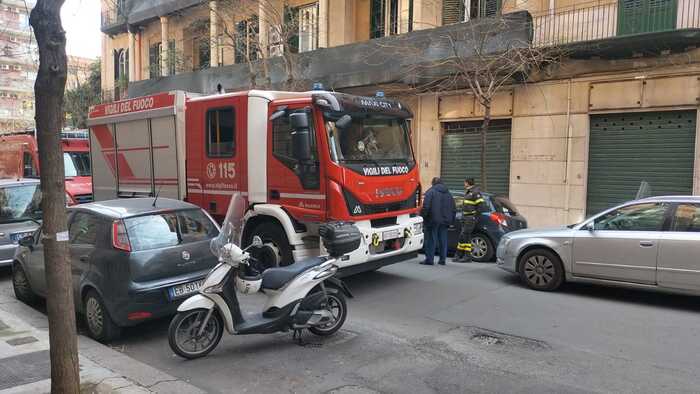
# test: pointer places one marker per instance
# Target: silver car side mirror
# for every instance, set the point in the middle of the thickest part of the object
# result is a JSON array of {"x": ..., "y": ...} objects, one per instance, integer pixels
[
  {"x": 590, "y": 226},
  {"x": 257, "y": 242}
]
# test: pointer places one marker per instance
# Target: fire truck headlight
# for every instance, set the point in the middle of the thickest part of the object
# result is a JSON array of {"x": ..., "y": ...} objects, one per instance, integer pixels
[{"x": 417, "y": 228}]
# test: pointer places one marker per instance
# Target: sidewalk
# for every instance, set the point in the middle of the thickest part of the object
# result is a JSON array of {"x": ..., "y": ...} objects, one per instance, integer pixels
[{"x": 25, "y": 366}]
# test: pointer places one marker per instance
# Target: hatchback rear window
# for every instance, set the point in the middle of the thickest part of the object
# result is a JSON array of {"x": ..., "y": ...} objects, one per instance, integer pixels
[{"x": 168, "y": 229}]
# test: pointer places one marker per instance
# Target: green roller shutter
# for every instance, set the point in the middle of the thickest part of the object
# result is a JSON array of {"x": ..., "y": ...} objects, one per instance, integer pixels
[
  {"x": 628, "y": 149},
  {"x": 461, "y": 150}
]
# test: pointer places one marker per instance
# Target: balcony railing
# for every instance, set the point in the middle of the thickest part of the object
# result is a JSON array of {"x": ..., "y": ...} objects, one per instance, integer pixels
[
  {"x": 611, "y": 18},
  {"x": 111, "y": 95},
  {"x": 113, "y": 18}
]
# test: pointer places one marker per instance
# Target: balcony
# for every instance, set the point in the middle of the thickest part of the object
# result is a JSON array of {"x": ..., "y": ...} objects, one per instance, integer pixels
[
  {"x": 113, "y": 21},
  {"x": 633, "y": 21}
]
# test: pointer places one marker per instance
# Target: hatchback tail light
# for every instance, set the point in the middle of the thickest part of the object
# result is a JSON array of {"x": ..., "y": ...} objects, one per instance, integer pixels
[
  {"x": 499, "y": 218},
  {"x": 120, "y": 239}
]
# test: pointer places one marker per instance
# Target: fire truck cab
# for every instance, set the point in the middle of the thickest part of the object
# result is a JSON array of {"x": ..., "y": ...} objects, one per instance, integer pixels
[
  {"x": 19, "y": 158},
  {"x": 299, "y": 158}
]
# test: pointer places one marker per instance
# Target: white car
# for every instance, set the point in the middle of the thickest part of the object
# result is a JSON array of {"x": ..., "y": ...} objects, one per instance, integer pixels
[{"x": 650, "y": 243}]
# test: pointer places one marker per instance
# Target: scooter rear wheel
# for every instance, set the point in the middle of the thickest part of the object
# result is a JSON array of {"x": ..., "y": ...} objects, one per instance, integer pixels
[
  {"x": 339, "y": 309},
  {"x": 183, "y": 333}
]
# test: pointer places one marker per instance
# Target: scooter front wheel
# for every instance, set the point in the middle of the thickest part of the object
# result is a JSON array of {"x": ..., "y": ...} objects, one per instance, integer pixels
[
  {"x": 338, "y": 308},
  {"x": 185, "y": 337}
]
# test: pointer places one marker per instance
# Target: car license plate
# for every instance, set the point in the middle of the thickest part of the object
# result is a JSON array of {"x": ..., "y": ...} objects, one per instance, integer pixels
[
  {"x": 18, "y": 236},
  {"x": 392, "y": 234},
  {"x": 185, "y": 289}
]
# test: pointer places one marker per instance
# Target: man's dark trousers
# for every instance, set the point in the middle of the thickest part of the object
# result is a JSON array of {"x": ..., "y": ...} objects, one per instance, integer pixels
[{"x": 436, "y": 239}]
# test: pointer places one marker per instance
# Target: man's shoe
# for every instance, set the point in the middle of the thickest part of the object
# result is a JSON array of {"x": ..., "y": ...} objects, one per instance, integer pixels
[
  {"x": 442, "y": 263},
  {"x": 464, "y": 259}
]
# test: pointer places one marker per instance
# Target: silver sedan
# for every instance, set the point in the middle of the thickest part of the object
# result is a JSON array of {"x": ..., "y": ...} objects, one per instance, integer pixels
[{"x": 651, "y": 243}]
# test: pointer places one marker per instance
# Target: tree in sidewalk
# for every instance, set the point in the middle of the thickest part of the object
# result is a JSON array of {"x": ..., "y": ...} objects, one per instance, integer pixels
[
  {"x": 481, "y": 56},
  {"x": 84, "y": 95},
  {"x": 240, "y": 23},
  {"x": 49, "y": 89}
]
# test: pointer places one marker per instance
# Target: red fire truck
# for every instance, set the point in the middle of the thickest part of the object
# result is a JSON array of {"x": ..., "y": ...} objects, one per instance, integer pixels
[
  {"x": 300, "y": 159},
  {"x": 19, "y": 158}
]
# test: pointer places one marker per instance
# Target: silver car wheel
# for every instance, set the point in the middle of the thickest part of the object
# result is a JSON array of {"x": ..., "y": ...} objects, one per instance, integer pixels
[
  {"x": 539, "y": 270},
  {"x": 94, "y": 315},
  {"x": 479, "y": 247}
]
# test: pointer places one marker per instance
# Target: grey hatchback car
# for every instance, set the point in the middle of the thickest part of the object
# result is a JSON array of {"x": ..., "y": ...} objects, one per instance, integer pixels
[
  {"x": 19, "y": 214},
  {"x": 651, "y": 243},
  {"x": 132, "y": 260}
]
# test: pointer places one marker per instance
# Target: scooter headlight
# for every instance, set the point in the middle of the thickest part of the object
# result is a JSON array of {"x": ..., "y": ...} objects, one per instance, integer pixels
[{"x": 215, "y": 289}]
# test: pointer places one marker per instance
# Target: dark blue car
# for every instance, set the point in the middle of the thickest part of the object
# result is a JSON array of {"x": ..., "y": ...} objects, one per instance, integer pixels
[{"x": 500, "y": 218}]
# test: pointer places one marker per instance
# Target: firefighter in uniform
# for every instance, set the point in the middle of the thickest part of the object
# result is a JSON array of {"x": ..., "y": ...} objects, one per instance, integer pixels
[{"x": 472, "y": 206}]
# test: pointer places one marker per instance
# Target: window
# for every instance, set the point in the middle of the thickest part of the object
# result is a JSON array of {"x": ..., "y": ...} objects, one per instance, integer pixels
[
  {"x": 171, "y": 57},
  {"x": 456, "y": 11},
  {"x": 687, "y": 218},
  {"x": 29, "y": 168},
  {"x": 376, "y": 19},
  {"x": 641, "y": 217},
  {"x": 308, "y": 28},
  {"x": 204, "y": 52},
  {"x": 246, "y": 39},
  {"x": 221, "y": 132},
  {"x": 169, "y": 229},
  {"x": 76, "y": 164},
  {"x": 83, "y": 229},
  {"x": 154, "y": 60},
  {"x": 282, "y": 140}
]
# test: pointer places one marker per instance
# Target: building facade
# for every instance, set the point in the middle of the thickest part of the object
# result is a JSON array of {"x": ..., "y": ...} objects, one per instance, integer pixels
[
  {"x": 19, "y": 58},
  {"x": 619, "y": 114}
]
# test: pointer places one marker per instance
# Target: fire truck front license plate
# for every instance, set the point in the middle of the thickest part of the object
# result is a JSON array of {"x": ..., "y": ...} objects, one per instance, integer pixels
[{"x": 392, "y": 234}]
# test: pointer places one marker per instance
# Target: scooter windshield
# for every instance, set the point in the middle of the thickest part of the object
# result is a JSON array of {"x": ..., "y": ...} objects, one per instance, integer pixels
[{"x": 232, "y": 227}]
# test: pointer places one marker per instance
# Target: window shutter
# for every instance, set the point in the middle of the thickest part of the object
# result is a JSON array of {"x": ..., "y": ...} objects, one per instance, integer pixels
[
  {"x": 291, "y": 26},
  {"x": 452, "y": 12}
]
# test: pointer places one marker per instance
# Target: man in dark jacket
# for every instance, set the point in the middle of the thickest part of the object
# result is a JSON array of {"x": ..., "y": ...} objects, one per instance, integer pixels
[{"x": 438, "y": 213}]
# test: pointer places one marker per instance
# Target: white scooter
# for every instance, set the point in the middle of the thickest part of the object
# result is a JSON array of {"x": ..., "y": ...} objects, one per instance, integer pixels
[{"x": 304, "y": 295}]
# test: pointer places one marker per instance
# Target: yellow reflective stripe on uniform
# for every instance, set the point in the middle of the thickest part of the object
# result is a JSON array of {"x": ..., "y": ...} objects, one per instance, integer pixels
[
  {"x": 479, "y": 201},
  {"x": 464, "y": 247},
  {"x": 470, "y": 202}
]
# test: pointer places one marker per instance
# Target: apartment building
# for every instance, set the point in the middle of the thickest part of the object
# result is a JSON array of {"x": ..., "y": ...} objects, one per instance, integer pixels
[
  {"x": 619, "y": 112},
  {"x": 19, "y": 57}
]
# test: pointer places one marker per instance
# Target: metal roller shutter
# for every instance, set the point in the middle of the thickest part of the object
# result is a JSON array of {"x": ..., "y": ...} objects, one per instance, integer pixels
[
  {"x": 627, "y": 149},
  {"x": 461, "y": 150}
]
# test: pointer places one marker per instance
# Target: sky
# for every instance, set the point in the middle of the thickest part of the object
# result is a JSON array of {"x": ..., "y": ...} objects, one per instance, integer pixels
[{"x": 81, "y": 21}]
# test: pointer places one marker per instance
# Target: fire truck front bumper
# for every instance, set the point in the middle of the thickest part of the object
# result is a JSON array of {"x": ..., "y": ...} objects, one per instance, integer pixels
[{"x": 383, "y": 245}]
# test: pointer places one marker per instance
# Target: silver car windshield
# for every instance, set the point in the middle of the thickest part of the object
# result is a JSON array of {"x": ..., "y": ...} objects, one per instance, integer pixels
[{"x": 20, "y": 203}]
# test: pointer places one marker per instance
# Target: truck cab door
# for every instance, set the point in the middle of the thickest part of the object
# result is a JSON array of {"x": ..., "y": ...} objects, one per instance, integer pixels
[{"x": 293, "y": 183}]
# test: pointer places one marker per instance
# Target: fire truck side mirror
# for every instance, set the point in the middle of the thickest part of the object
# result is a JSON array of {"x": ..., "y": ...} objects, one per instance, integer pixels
[
  {"x": 301, "y": 137},
  {"x": 344, "y": 122}
]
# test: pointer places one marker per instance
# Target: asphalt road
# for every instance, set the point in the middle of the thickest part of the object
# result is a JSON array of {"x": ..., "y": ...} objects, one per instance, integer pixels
[{"x": 458, "y": 329}]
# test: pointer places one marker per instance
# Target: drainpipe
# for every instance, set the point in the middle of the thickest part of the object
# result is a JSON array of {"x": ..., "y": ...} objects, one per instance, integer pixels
[{"x": 569, "y": 148}]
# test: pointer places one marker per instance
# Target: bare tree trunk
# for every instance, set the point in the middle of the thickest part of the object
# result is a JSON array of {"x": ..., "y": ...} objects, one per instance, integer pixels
[
  {"x": 49, "y": 89},
  {"x": 484, "y": 130}
]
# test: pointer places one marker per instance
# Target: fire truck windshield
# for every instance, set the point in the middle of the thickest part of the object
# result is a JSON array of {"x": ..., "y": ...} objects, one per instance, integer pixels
[
  {"x": 370, "y": 139},
  {"x": 76, "y": 164}
]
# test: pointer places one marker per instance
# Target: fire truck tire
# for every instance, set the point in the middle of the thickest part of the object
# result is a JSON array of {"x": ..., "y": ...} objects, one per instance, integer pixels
[{"x": 276, "y": 246}]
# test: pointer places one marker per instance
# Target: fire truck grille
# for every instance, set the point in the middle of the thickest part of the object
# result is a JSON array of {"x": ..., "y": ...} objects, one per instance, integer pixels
[{"x": 357, "y": 208}]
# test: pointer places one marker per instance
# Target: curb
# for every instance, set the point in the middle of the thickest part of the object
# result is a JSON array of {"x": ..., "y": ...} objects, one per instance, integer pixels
[{"x": 128, "y": 375}]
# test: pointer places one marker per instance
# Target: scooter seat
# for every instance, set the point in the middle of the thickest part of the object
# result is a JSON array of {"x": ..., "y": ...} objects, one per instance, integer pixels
[{"x": 276, "y": 278}]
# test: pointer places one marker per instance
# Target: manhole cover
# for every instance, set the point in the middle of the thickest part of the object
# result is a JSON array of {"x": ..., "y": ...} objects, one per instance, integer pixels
[
  {"x": 485, "y": 339},
  {"x": 21, "y": 341}
]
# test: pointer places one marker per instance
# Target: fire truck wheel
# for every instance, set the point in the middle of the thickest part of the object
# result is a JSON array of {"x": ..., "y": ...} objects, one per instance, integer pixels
[{"x": 276, "y": 251}]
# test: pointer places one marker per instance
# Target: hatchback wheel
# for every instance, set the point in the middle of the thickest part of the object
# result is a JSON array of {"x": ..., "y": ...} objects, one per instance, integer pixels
[
  {"x": 100, "y": 325},
  {"x": 20, "y": 284},
  {"x": 541, "y": 269},
  {"x": 482, "y": 248}
]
